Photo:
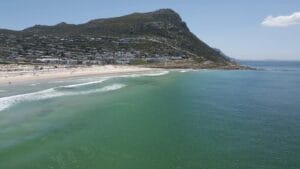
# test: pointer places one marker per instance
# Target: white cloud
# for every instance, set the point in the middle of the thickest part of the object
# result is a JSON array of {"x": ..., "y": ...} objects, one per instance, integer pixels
[{"x": 282, "y": 21}]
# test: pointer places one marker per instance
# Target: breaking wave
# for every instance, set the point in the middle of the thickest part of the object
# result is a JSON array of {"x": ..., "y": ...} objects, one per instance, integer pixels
[
  {"x": 7, "y": 102},
  {"x": 85, "y": 84},
  {"x": 158, "y": 74},
  {"x": 186, "y": 70},
  {"x": 161, "y": 73},
  {"x": 34, "y": 84}
]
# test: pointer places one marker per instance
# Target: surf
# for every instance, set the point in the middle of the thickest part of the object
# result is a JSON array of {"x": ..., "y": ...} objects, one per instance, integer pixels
[
  {"x": 85, "y": 84},
  {"x": 7, "y": 102}
]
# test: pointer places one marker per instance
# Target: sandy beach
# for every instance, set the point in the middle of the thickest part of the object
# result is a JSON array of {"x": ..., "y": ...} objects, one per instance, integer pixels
[{"x": 15, "y": 74}]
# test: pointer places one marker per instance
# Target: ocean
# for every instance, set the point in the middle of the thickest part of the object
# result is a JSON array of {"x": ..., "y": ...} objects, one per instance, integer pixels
[{"x": 205, "y": 119}]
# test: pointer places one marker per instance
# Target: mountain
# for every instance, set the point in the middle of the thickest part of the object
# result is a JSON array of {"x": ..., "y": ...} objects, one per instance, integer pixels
[{"x": 157, "y": 39}]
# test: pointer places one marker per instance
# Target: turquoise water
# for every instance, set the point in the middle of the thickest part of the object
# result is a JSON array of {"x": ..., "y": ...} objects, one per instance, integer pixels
[{"x": 206, "y": 119}]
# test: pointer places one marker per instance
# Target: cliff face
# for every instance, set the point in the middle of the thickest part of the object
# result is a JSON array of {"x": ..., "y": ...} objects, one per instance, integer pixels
[{"x": 158, "y": 38}]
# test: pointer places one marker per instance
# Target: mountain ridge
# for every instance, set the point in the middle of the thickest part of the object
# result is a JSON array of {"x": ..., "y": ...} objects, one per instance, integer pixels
[{"x": 157, "y": 38}]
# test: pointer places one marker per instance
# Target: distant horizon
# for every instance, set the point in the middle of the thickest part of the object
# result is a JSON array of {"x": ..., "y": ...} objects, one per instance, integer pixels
[
  {"x": 242, "y": 30},
  {"x": 268, "y": 60}
]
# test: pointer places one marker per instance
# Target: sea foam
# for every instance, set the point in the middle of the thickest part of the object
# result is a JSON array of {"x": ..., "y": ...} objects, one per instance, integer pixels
[
  {"x": 158, "y": 73},
  {"x": 161, "y": 73},
  {"x": 85, "y": 84},
  {"x": 6, "y": 102},
  {"x": 9, "y": 101}
]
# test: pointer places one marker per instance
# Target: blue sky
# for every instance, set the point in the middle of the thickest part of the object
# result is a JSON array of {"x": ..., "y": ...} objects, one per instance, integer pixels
[{"x": 234, "y": 26}]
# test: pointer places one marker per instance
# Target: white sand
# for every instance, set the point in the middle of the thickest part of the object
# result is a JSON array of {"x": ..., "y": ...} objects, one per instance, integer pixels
[{"x": 11, "y": 74}]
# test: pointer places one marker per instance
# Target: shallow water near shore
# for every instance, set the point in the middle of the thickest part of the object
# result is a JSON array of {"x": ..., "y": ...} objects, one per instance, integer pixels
[{"x": 195, "y": 119}]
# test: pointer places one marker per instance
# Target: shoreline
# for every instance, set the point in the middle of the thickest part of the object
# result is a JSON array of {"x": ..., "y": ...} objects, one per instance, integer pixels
[
  {"x": 22, "y": 74},
  {"x": 26, "y": 73}
]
